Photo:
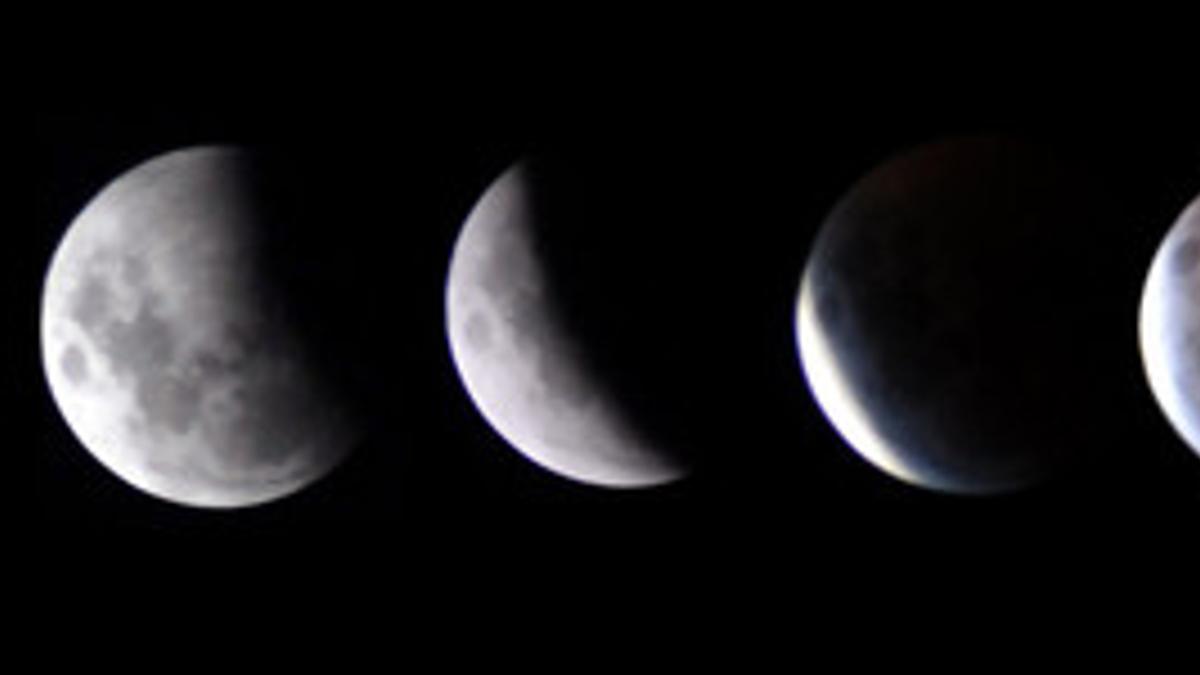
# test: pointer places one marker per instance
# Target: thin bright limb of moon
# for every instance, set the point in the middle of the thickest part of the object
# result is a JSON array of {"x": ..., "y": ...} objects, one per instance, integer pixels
[
  {"x": 836, "y": 394},
  {"x": 1169, "y": 325}
]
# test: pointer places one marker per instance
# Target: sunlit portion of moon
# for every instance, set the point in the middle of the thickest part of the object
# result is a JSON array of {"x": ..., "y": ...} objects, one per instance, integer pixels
[
  {"x": 524, "y": 370},
  {"x": 166, "y": 348},
  {"x": 837, "y": 396},
  {"x": 1169, "y": 325}
]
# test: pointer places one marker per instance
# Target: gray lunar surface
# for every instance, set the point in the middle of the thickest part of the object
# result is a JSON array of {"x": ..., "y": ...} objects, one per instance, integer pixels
[
  {"x": 165, "y": 348},
  {"x": 1170, "y": 325}
]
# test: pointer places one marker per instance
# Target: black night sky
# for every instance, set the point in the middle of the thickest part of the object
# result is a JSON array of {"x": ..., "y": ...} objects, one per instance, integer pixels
[{"x": 735, "y": 159}]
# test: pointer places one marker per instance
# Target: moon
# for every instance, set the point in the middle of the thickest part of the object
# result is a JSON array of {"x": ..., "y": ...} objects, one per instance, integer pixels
[
  {"x": 1169, "y": 325},
  {"x": 943, "y": 316},
  {"x": 524, "y": 368},
  {"x": 169, "y": 350}
]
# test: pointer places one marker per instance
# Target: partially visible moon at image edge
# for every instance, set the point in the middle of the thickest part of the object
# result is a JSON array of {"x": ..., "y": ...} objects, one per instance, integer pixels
[
  {"x": 521, "y": 366},
  {"x": 1169, "y": 325},
  {"x": 163, "y": 347}
]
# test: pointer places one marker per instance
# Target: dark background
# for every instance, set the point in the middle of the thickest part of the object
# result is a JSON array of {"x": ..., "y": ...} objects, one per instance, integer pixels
[{"x": 756, "y": 134}]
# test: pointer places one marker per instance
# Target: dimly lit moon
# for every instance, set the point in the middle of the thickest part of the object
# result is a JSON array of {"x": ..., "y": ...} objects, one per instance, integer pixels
[
  {"x": 522, "y": 367},
  {"x": 1169, "y": 325},
  {"x": 939, "y": 319},
  {"x": 165, "y": 346}
]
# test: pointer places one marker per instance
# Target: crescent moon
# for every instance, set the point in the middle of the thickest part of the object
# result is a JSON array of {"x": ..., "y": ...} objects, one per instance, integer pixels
[
  {"x": 521, "y": 366},
  {"x": 916, "y": 312},
  {"x": 1169, "y": 325},
  {"x": 164, "y": 348}
]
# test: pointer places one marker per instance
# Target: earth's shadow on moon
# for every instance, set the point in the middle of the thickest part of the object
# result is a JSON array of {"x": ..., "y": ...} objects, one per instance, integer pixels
[
  {"x": 643, "y": 276},
  {"x": 358, "y": 256},
  {"x": 1006, "y": 340},
  {"x": 340, "y": 272}
]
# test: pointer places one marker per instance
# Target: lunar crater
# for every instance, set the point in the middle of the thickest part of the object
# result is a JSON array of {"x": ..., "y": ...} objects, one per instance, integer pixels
[
  {"x": 91, "y": 303},
  {"x": 478, "y": 331},
  {"x": 74, "y": 364}
]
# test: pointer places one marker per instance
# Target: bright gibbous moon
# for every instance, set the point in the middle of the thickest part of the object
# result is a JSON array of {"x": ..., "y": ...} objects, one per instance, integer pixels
[
  {"x": 165, "y": 347},
  {"x": 1169, "y": 325},
  {"x": 524, "y": 370}
]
